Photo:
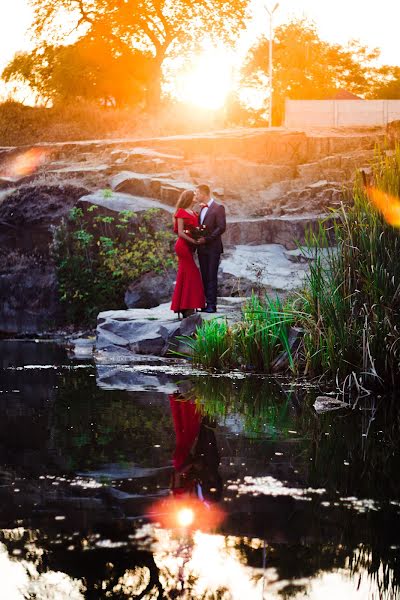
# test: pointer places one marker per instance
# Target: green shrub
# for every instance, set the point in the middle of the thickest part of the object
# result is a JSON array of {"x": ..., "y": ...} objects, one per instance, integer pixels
[{"x": 97, "y": 257}]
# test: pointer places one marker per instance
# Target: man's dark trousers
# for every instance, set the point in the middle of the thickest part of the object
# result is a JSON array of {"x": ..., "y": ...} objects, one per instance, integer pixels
[
  {"x": 210, "y": 253},
  {"x": 209, "y": 263}
]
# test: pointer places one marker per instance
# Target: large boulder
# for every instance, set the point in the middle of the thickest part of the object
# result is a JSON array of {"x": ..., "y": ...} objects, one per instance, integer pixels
[
  {"x": 123, "y": 336},
  {"x": 162, "y": 187},
  {"x": 288, "y": 231},
  {"x": 262, "y": 268},
  {"x": 151, "y": 289},
  {"x": 29, "y": 214},
  {"x": 138, "y": 332},
  {"x": 116, "y": 202},
  {"x": 28, "y": 294}
]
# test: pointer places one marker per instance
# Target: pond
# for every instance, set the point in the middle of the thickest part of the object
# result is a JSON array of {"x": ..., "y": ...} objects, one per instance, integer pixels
[{"x": 155, "y": 481}]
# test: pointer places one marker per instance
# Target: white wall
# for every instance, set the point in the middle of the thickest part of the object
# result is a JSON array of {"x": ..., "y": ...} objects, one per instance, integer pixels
[{"x": 340, "y": 113}]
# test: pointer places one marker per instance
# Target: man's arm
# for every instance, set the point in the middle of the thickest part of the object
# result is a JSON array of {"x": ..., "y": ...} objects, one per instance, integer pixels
[{"x": 220, "y": 225}]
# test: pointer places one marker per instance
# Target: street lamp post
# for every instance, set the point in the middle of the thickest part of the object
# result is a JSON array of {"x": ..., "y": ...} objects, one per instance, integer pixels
[{"x": 270, "y": 12}]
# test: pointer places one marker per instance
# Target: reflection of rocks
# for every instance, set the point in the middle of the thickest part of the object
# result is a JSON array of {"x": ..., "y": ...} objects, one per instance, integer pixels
[
  {"x": 325, "y": 404},
  {"x": 132, "y": 380}
]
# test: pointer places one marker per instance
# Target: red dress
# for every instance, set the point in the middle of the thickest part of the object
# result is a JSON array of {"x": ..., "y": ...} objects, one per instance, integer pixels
[{"x": 189, "y": 291}]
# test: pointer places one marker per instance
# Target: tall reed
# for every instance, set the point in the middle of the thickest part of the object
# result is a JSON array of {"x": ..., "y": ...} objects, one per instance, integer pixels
[
  {"x": 351, "y": 301},
  {"x": 252, "y": 344}
]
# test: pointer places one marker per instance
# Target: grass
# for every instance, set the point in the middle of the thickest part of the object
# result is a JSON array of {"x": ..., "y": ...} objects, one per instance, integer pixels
[
  {"x": 253, "y": 344},
  {"x": 349, "y": 308},
  {"x": 20, "y": 124}
]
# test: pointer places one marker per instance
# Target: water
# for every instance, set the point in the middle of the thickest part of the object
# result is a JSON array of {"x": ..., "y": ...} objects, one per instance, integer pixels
[{"x": 95, "y": 472}]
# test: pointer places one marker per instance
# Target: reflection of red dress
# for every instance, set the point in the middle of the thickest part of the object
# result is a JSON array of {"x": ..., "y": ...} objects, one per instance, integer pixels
[
  {"x": 189, "y": 291},
  {"x": 187, "y": 421}
]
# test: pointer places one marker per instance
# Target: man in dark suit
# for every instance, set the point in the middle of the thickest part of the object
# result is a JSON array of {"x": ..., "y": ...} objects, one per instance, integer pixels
[{"x": 212, "y": 215}]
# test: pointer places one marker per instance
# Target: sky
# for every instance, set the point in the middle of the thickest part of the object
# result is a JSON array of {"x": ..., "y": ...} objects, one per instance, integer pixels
[{"x": 375, "y": 24}]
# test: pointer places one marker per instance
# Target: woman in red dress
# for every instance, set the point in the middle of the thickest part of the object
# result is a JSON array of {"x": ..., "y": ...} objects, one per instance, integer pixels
[{"x": 189, "y": 292}]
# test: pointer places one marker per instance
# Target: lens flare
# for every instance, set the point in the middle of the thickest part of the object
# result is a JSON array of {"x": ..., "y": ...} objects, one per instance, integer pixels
[
  {"x": 386, "y": 204},
  {"x": 185, "y": 517},
  {"x": 186, "y": 513},
  {"x": 25, "y": 163}
]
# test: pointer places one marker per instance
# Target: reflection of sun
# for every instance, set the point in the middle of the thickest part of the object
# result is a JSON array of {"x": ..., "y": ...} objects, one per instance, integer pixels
[{"x": 209, "y": 80}]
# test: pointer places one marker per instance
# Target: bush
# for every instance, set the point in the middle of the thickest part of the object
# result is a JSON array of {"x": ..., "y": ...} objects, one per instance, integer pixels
[{"x": 98, "y": 257}]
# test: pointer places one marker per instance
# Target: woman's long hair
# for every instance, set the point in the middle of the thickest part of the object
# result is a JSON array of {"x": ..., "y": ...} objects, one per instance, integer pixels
[{"x": 185, "y": 200}]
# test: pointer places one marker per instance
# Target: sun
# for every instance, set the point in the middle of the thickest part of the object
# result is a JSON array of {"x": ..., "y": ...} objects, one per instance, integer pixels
[{"x": 208, "y": 81}]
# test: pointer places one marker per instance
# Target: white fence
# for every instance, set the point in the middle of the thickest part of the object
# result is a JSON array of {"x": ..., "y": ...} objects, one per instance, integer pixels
[{"x": 340, "y": 113}]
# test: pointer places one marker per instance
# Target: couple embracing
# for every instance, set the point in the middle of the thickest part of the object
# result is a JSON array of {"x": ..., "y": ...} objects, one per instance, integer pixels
[{"x": 199, "y": 231}]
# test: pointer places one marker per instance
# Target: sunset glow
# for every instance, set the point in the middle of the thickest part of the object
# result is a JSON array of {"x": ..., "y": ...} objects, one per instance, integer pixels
[{"x": 208, "y": 81}]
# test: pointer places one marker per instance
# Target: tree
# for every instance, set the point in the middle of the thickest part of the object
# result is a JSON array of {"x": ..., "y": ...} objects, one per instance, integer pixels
[
  {"x": 387, "y": 83},
  {"x": 89, "y": 69},
  {"x": 306, "y": 67},
  {"x": 163, "y": 27}
]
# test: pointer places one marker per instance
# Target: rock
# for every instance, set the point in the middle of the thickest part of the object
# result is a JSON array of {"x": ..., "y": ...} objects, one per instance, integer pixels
[
  {"x": 282, "y": 363},
  {"x": 131, "y": 329},
  {"x": 150, "y": 290},
  {"x": 28, "y": 294},
  {"x": 117, "y": 202},
  {"x": 288, "y": 231},
  {"x": 137, "y": 184},
  {"x": 324, "y": 404},
  {"x": 29, "y": 214},
  {"x": 129, "y": 334},
  {"x": 265, "y": 266},
  {"x": 82, "y": 347},
  {"x": 162, "y": 187}
]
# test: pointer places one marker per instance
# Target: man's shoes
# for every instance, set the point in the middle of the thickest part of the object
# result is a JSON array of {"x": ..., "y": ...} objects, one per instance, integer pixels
[{"x": 210, "y": 309}]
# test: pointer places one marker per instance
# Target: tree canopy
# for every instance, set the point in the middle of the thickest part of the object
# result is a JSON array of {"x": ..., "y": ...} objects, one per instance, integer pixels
[
  {"x": 307, "y": 67},
  {"x": 161, "y": 27},
  {"x": 89, "y": 69}
]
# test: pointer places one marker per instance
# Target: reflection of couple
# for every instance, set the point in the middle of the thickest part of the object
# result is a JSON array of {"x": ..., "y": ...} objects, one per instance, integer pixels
[
  {"x": 196, "y": 457},
  {"x": 192, "y": 290}
]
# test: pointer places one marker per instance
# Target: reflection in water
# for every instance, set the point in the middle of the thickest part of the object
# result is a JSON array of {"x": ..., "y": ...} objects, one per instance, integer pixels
[
  {"x": 310, "y": 502},
  {"x": 196, "y": 457}
]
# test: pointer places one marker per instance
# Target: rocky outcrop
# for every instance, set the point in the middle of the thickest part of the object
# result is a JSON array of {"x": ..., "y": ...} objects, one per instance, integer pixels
[
  {"x": 28, "y": 294},
  {"x": 288, "y": 231},
  {"x": 125, "y": 335},
  {"x": 114, "y": 203},
  {"x": 152, "y": 289},
  {"x": 29, "y": 214},
  {"x": 142, "y": 333},
  {"x": 263, "y": 268},
  {"x": 275, "y": 185}
]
